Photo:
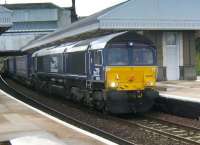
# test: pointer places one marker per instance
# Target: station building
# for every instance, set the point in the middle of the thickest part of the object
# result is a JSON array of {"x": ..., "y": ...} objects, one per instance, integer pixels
[
  {"x": 170, "y": 24},
  {"x": 32, "y": 21},
  {"x": 5, "y": 22},
  {"x": 5, "y": 19}
]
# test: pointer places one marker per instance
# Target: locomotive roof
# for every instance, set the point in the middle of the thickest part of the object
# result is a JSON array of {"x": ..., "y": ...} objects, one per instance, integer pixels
[
  {"x": 57, "y": 49},
  {"x": 96, "y": 43}
]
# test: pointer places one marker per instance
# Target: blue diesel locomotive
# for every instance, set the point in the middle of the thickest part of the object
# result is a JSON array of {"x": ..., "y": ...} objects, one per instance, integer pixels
[{"x": 115, "y": 72}]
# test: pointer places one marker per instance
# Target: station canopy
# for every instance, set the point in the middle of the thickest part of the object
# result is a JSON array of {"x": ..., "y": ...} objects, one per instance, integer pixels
[{"x": 130, "y": 15}]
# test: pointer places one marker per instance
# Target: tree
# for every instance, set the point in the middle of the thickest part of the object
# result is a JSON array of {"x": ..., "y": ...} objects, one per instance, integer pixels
[
  {"x": 198, "y": 56},
  {"x": 74, "y": 16}
]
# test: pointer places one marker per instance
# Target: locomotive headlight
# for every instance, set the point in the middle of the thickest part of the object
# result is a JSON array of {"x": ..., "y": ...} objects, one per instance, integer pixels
[
  {"x": 150, "y": 83},
  {"x": 113, "y": 85}
]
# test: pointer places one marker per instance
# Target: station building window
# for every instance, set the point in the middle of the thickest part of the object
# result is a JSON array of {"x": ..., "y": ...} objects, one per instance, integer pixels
[{"x": 171, "y": 38}]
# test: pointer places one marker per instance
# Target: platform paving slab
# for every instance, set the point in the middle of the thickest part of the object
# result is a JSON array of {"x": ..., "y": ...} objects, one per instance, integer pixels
[
  {"x": 190, "y": 90},
  {"x": 17, "y": 121}
]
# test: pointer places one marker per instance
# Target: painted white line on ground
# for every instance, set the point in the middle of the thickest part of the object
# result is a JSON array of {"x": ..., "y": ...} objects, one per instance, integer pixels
[
  {"x": 103, "y": 140},
  {"x": 186, "y": 99},
  {"x": 172, "y": 85}
]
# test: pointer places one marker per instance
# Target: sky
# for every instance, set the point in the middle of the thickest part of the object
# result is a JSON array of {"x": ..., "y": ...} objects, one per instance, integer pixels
[{"x": 83, "y": 7}]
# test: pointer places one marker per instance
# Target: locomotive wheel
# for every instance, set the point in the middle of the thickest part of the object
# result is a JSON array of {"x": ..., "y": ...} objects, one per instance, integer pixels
[
  {"x": 74, "y": 94},
  {"x": 73, "y": 97},
  {"x": 105, "y": 109},
  {"x": 99, "y": 101},
  {"x": 67, "y": 92},
  {"x": 88, "y": 100},
  {"x": 34, "y": 83},
  {"x": 49, "y": 89},
  {"x": 100, "y": 105}
]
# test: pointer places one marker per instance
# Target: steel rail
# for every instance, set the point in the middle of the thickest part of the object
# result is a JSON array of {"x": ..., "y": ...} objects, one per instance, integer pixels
[
  {"x": 21, "y": 96},
  {"x": 172, "y": 123},
  {"x": 173, "y": 131}
]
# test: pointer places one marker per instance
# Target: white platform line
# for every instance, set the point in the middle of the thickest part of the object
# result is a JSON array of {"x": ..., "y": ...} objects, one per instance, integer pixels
[
  {"x": 185, "y": 99},
  {"x": 101, "y": 139}
]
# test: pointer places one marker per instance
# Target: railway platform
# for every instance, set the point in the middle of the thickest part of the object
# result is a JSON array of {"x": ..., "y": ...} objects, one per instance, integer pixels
[
  {"x": 180, "y": 97},
  {"x": 183, "y": 90},
  {"x": 21, "y": 123}
]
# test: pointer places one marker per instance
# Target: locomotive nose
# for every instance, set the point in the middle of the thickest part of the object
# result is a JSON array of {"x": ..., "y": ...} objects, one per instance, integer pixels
[{"x": 130, "y": 78}]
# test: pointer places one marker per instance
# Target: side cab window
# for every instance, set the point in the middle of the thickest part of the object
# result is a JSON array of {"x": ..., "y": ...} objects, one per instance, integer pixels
[{"x": 98, "y": 57}]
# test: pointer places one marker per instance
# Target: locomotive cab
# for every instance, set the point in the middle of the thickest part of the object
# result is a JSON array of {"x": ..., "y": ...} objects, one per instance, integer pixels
[
  {"x": 130, "y": 67},
  {"x": 127, "y": 68}
]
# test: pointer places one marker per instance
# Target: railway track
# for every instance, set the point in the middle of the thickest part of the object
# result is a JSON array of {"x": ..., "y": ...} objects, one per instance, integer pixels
[
  {"x": 143, "y": 130},
  {"x": 180, "y": 133},
  {"x": 62, "y": 116}
]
